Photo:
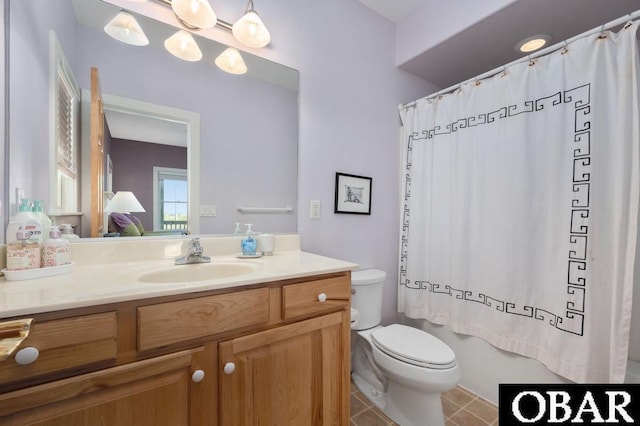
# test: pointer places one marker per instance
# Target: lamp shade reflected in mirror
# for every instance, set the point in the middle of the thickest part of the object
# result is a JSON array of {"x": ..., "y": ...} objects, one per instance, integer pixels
[
  {"x": 231, "y": 61},
  {"x": 183, "y": 46},
  {"x": 124, "y": 202}
]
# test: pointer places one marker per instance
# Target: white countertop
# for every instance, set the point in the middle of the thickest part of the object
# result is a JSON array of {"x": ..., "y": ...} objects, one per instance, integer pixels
[{"x": 112, "y": 280}]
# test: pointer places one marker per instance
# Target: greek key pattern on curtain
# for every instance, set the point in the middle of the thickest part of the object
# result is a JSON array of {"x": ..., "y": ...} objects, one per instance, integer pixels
[{"x": 571, "y": 321}]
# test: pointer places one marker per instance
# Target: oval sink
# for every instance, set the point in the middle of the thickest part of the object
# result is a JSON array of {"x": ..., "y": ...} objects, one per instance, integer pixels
[{"x": 197, "y": 272}]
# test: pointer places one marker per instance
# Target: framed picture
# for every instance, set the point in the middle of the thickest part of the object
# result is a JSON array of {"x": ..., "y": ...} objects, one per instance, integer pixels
[{"x": 353, "y": 194}]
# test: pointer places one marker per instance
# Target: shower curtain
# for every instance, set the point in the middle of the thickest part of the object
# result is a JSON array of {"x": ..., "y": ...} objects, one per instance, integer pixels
[{"x": 520, "y": 207}]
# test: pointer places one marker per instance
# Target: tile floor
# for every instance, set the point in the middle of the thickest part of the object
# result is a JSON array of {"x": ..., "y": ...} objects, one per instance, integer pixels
[{"x": 461, "y": 408}]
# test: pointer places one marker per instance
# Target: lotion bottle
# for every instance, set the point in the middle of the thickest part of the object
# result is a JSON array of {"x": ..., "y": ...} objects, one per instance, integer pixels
[
  {"x": 23, "y": 253},
  {"x": 55, "y": 250},
  {"x": 249, "y": 243}
]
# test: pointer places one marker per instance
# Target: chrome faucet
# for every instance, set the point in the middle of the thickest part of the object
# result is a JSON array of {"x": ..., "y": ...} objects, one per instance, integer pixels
[{"x": 195, "y": 254}]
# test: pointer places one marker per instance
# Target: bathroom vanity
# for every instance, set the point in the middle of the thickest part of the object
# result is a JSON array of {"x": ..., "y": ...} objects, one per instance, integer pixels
[{"x": 269, "y": 346}]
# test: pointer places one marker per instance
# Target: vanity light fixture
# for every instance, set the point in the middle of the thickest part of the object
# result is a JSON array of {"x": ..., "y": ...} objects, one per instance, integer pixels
[
  {"x": 183, "y": 46},
  {"x": 195, "y": 13},
  {"x": 230, "y": 61},
  {"x": 124, "y": 27},
  {"x": 533, "y": 43},
  {"x": 250, "y": 30}
]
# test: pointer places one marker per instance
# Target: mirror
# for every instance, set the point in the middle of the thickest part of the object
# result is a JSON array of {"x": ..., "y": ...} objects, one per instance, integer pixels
[{"x": 247, "y": 127}]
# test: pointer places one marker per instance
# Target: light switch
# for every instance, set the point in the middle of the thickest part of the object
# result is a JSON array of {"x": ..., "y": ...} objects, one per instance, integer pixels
[
  {"x": 314, "y": 209},
  {"x": 209, "y": 211}
]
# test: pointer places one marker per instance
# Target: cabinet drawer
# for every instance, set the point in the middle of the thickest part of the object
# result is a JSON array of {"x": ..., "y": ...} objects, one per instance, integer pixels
[
  {"x": 173, "y": 322},
  {"x": 64, "y": 344},
  {"x": 306, "y": 298}
]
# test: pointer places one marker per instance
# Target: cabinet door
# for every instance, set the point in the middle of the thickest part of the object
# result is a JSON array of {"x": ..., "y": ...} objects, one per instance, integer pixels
[
  {"x": 297, "y": 374},
  {"x": 158, "y": 391}
]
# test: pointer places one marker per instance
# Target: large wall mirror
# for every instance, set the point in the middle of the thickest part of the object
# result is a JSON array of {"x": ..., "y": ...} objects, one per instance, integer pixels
[{"x": 230, "y": 139}]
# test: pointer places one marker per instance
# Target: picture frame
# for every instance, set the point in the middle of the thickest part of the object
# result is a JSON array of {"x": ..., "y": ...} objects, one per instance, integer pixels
[{"x": 353, "y": 194}]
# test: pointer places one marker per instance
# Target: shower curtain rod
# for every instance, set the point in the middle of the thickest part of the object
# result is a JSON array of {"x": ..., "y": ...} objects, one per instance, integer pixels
[{"x": 552, "y": 48}]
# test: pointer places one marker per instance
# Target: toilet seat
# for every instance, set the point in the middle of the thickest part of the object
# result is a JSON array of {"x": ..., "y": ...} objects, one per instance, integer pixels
[{"x": 413, "y": 346}]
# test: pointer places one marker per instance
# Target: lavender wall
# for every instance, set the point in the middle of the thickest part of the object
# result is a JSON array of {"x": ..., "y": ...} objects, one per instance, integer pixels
[
  {"x": 349, "y": 95},
  {"x": 29, "y": 91},
  {"x": 133, "y": 164}
]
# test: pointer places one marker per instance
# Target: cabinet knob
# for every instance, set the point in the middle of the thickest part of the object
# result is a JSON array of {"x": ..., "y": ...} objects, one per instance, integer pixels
[
  {"x": 229, "y": 368},
  {"x": 197, "y": 376},
  {"x": 322, "y": 297},
  {"x": 27, "y": 355}
]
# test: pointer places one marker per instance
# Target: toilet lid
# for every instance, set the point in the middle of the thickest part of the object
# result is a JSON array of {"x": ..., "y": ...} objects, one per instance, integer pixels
[{"x": 414, "y": 346}]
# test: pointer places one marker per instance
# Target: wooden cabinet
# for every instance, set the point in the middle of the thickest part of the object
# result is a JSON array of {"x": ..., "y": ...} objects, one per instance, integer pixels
[
  {"x": 65, "y": 344},
  {"x": 295, "y": 374},
  {"x": 173, "y": 322},
  {"x": 315, "y": 297},
  {"x": 162, "y": 361},
  {"x": 153, "y": 392}
]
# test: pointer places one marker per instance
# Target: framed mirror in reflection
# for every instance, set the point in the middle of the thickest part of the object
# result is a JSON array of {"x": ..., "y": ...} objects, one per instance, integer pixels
[{"x": 218, "y": 140}]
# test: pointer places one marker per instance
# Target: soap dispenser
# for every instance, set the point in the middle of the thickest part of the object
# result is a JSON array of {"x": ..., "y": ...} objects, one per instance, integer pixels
[
  {"x": 249, "y": 243},
  {"x": 55, "y": 250},
  {"x": 237, "y": 231}
]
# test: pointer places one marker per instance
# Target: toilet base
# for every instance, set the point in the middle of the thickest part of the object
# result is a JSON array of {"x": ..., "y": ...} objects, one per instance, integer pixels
[
  {"x": 407, "y": 407},
  {"x": 374, "y": 395},
  {"x": 403, "y": 405}
]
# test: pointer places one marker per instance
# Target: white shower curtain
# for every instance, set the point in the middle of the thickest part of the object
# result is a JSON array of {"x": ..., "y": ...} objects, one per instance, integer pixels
[{"x": 520, "y": 207}]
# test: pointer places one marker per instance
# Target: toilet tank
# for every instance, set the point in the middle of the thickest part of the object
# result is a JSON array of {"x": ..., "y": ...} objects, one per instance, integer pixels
[{"x": 366, "y": 297}]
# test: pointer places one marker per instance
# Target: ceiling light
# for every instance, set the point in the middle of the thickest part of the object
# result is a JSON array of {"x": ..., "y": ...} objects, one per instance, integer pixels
[
  {"x": 531, "y": 44},
  {"x": 249, "y": 30},
  {"x": 125, "y": 28},
  {"x": 183, "y": 46},
  {"x": 196, "y": 13},
  {"x": 231, "y": 61}
]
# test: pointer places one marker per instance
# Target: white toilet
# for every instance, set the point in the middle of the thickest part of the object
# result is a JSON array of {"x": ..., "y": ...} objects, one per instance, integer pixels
[{"x": 401, "y": 369}]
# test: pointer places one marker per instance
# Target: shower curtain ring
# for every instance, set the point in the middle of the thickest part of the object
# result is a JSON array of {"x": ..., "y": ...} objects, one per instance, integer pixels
[
  {"x": 566, "y": 48},
  {"x": 504, "y": 71},
  {"x": 602, "y": 33}
]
